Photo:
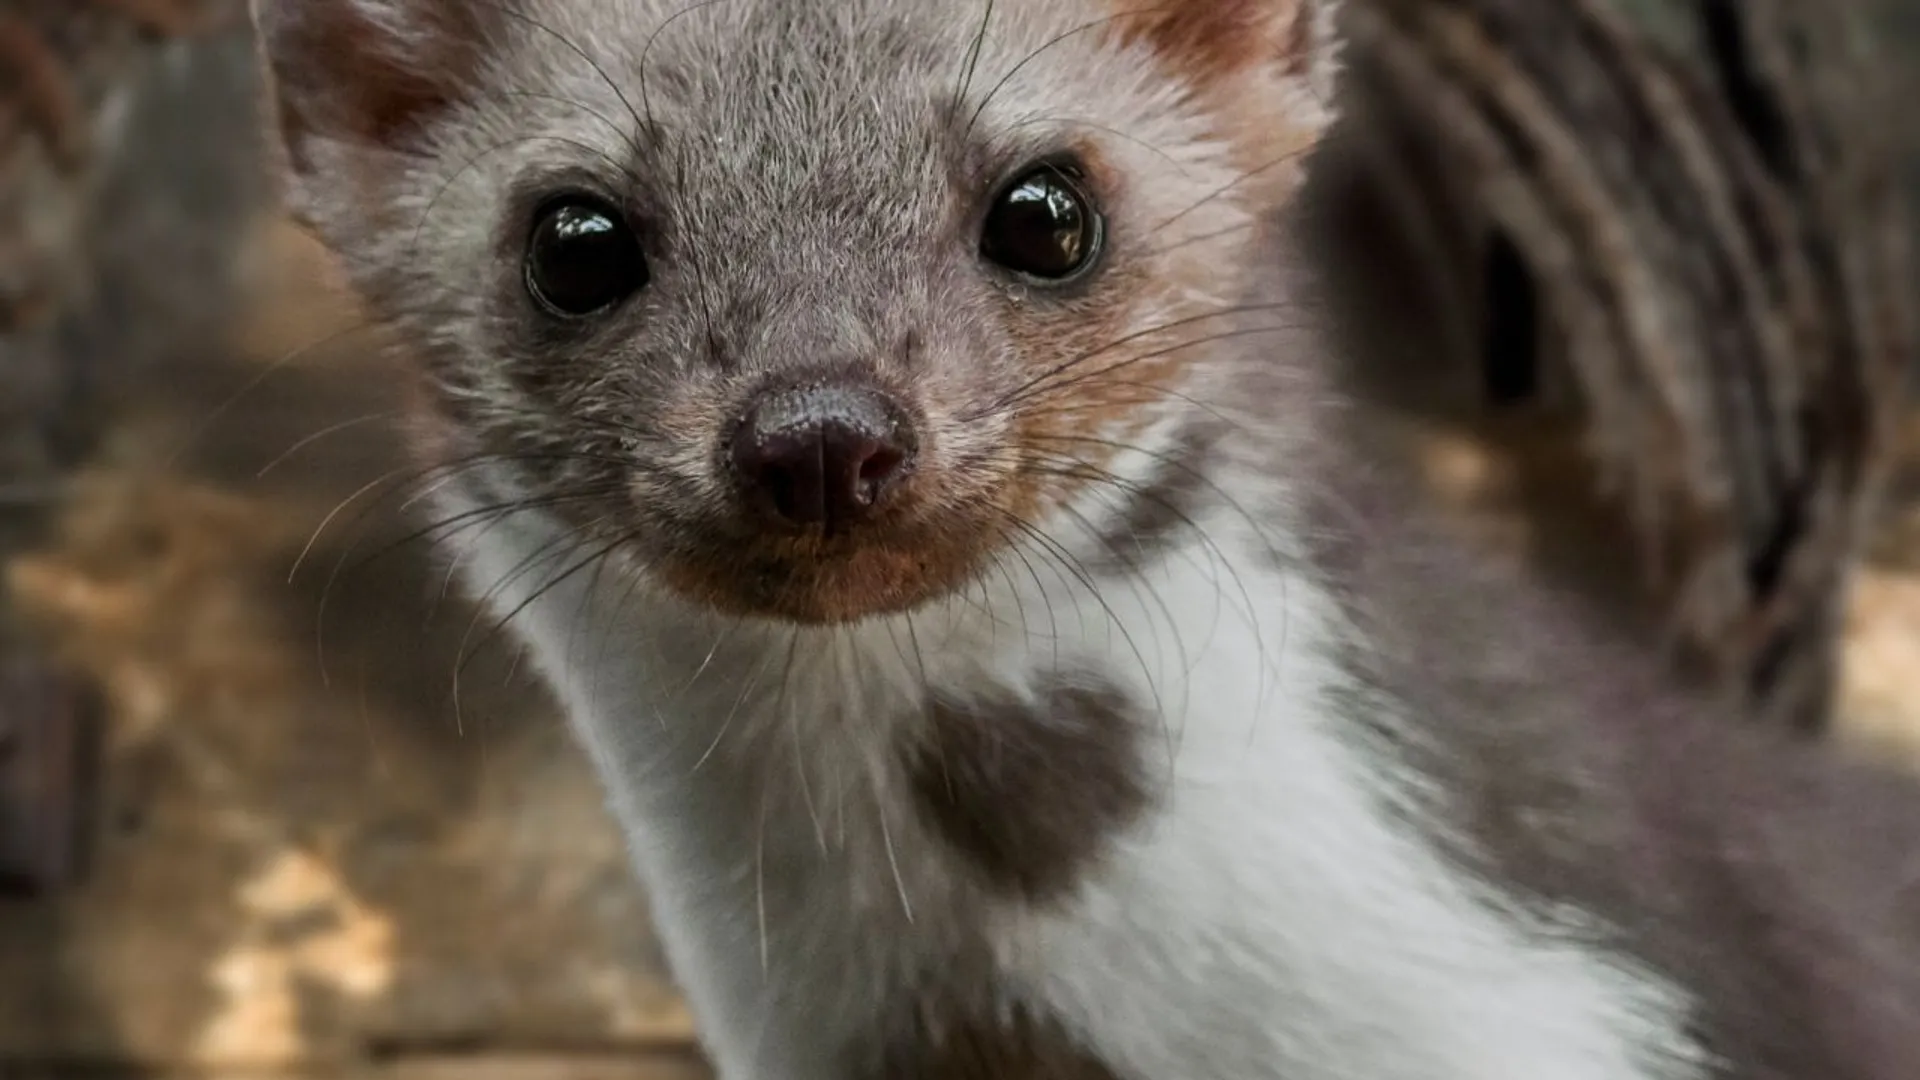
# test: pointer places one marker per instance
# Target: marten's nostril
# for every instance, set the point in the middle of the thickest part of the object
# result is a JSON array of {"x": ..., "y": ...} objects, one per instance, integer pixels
[
  {"x": 823, "y": 455},
  {"x": 880, "y": 465}
]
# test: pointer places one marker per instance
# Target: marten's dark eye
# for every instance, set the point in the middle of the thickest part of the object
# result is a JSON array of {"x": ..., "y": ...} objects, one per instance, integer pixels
[
  {"x": 582, "y": 258},
  {"x": 1043, "y": 226}
]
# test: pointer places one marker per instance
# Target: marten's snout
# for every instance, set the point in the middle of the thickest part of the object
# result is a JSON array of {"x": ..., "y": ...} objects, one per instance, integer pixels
[{"x": 823, "y": 455}]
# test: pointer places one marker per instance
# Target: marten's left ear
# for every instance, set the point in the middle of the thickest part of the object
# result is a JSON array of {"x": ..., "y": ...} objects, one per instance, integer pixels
[
  {"x": 1264, "y": 70},
  {"x": 1219, "y": 41}
]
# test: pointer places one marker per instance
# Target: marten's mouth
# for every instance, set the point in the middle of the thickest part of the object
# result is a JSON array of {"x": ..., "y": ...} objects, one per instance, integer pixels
[{"x": 820, "y": 580}]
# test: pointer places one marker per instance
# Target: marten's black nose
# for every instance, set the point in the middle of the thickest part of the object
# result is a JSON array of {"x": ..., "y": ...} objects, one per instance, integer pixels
[{"x": 822, "y": 455}]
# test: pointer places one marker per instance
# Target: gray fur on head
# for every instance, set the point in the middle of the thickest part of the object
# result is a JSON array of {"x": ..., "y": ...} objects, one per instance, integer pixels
[{"x": 807, "y": 177}]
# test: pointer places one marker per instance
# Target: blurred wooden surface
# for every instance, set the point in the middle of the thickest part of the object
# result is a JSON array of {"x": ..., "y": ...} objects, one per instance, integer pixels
[
  {"x": 1669, "y": 233},
  {"x": 307, "y": 858}
]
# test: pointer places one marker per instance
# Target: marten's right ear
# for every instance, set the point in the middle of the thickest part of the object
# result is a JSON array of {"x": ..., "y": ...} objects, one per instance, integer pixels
[{"x": 355, "y": 79}]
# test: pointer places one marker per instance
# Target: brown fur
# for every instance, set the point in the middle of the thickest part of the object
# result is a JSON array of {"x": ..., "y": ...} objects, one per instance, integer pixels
[
  {"x": 825, "y": 581},
  {"x": 1216, "y": 48},
  {"x": 1031, "y": 791},
  {"x": 1205, "y": 41},
  {"x": 940, "y": 1044}
]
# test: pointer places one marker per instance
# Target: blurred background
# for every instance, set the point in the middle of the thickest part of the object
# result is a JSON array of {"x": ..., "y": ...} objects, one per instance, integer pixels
[{"x": 249, "y": 828}]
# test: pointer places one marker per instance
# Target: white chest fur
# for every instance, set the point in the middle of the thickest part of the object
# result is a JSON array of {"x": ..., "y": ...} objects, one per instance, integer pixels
[{"x": 1266, "y": 919}]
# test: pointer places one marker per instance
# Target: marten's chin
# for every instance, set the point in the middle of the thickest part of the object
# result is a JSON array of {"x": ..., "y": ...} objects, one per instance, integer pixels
[{"x": 828, "y": 582}]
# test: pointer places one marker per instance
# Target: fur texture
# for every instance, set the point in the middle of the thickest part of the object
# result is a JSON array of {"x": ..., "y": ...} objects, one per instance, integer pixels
[{"x": 1137, "y": 738}]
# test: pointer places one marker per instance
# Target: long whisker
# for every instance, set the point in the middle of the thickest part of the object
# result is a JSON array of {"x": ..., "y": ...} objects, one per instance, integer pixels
[
  {"x": 546, "y": 587},
  {"x": 1104, "y": 129},
  {"x": 293, "y": 356},
  {"x": 1066, "y": 560},
  {"x": 554, "y": 550},
  {"x": 1231, "y": 185},
  {"x": 473, "y": 161},
  {"x": 1095, "y": 24},
  {"x": 746, "y": 691},
  {"x": 567, "y": 43},
  {"x": 646, "y": 51},
  {"x": 1087, "y": 473},
  {"x": 1080, "y": 378},
  {"x": 1139, "y": 575},
  {"x": 972, "y": 63},
  {"x": 324, "y": 433},
  {"x": 1064, "y": 366}
]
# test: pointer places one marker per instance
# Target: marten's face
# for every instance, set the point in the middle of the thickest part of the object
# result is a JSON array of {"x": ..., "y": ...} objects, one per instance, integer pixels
[{"x": 818, "y": 309}]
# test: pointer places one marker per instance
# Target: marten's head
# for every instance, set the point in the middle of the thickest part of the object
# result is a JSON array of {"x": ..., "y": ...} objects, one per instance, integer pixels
[{"x": 817, "y": 308}]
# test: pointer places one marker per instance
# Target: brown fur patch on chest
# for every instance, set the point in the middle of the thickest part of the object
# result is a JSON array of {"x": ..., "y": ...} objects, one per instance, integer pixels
[
  {"x": 938, "y": 1039},
  {"x": 1031, "y": 790}
]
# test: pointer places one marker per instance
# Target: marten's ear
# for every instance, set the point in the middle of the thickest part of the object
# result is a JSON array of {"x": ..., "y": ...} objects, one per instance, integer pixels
[
  {"x": 1211, "y": 41},
  {"x": 1263, "y": 69},
  {"x": 356, "y": 76}
]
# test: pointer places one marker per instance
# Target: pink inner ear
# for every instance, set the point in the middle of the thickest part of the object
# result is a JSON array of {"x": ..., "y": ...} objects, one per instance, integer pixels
[
  {"x": 1208, "y": 39},
  {"x": 369, "y": 71}
]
